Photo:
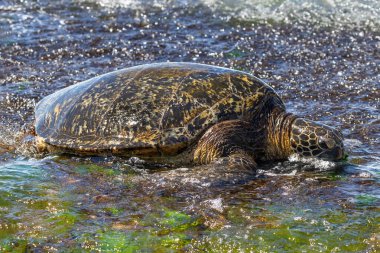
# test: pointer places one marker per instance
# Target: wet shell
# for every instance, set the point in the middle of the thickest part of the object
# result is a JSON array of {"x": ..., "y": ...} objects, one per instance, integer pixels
[{"x": 160, "y": 107}]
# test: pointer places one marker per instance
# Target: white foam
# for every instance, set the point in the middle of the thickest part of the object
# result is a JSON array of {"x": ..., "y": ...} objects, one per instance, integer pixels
[
  {"x": 317, "y": 163},
  {"x": 350, "y": 144},
  {"x": 216, "y": 204},
  {"x": 191, "y": 180},
  {"x": 292, "y": 173}
]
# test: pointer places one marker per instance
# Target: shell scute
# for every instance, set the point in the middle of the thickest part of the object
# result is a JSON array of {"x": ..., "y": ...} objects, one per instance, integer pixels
[{"x": 156, "y": 106}]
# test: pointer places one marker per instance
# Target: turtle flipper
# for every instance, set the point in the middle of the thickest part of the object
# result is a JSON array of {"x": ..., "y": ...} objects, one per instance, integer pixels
[
  {"x": 231, "y": 143},
  {"x": 238, "y": 160}
]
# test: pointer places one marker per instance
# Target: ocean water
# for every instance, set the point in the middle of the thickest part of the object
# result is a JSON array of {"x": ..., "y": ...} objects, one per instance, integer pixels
[{"x": 322, "y": 57}]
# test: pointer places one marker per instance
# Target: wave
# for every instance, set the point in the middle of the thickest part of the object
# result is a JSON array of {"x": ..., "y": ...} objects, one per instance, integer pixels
[{"x": 352, "y": 12}]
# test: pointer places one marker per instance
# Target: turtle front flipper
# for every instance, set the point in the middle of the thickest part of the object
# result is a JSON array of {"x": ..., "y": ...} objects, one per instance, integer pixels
[
  {"x": 230, "y": 143},
  {"x": 238, "y": 160}
]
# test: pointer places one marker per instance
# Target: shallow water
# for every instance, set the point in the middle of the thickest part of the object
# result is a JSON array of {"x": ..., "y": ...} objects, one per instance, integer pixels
[{"x": 321, "y": 56}]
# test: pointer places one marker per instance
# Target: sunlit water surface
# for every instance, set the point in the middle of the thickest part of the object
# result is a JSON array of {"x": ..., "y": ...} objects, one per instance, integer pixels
[{"x": 323, "y": 58}]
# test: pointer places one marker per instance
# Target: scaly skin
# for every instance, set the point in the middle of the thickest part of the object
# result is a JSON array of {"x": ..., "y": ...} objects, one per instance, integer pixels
[{"x": 242, "y": 144}]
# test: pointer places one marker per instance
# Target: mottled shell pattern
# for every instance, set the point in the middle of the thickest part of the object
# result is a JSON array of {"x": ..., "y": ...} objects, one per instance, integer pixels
[{"x": 159, "y": 107}]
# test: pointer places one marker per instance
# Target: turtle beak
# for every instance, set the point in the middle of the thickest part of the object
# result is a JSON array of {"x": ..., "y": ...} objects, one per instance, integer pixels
[
  {"x": 336, "y": 154},
  {"x": 340, "y": 154}
]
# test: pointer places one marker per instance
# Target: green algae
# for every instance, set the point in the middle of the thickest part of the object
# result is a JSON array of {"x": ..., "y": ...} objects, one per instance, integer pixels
[
  {"x": 34, "y": 209},
  {"x": 366, "y": 200},
  {"x": 114, "y": 210},
  {"x": 38, "y": 210},
  {"x": 176, "y": 220},
  {"x": 96, "y": 169},
  {"x": 112, "y": 240},
  {"x": 235, "y": 53},
  {"x": 115, "y": 241},
  {"x": 13, "y": 245}
]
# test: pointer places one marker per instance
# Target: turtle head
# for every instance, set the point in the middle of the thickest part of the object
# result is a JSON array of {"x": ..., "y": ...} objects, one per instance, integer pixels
[{"x": 311, "y": 139}]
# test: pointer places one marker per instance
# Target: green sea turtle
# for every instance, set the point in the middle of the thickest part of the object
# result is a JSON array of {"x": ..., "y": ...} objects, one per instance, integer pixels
[{"x": 183, "y": 113}]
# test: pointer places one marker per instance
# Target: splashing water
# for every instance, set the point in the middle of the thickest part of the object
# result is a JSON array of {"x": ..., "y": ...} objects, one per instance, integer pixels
[{"x": 317, "y": 163}]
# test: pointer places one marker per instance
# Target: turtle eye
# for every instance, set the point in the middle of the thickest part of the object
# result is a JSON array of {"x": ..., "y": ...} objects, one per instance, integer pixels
[
  {"x": 330, "y": 143},
  {"x": 327, "y": 143}
]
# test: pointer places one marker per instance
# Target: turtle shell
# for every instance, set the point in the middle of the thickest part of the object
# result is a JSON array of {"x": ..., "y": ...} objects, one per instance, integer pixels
[{"x": 159, "y": 107}]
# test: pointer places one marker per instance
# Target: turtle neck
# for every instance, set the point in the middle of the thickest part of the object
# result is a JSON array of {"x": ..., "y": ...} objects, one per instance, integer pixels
[{"x": 278, "y": 134}]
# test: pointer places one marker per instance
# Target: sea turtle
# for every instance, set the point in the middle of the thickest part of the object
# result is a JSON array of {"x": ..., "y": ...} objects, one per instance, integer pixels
[{"x": 183, "y": 113}]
